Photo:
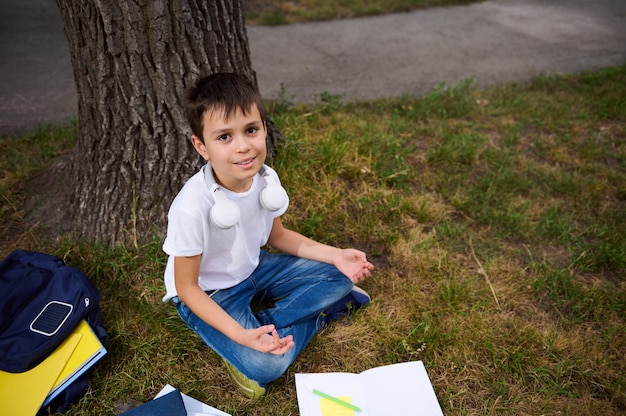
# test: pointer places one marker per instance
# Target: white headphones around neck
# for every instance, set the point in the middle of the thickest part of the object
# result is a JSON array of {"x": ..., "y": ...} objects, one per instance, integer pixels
[{"x": 225, "y": 213}]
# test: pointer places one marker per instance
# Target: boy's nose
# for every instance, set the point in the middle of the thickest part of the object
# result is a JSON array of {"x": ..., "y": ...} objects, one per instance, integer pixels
[{"x": 242, "y": 144}]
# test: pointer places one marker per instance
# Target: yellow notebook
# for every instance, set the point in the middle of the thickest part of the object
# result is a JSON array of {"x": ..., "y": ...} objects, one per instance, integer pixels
[
  {"x": 24, "y": 393},
  {"x": 88, "y": 351}
]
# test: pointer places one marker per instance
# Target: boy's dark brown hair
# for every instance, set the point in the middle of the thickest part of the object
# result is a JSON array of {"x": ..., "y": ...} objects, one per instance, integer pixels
[{"x": 223, "y": 92}]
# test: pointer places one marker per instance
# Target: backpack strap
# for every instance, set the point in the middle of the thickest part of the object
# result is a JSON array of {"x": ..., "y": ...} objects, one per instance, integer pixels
[
  {"x": 71, "y": 394},
  {"x": 40, "y": 260}
]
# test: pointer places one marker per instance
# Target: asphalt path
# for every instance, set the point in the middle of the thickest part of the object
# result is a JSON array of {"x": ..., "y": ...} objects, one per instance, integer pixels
[{"x": 493, "y": 42}]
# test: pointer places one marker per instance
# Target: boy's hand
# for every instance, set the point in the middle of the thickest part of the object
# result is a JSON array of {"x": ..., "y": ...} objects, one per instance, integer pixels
[
  {"x": 353, "y": 263},
  {"x": 266, "y": 339}
]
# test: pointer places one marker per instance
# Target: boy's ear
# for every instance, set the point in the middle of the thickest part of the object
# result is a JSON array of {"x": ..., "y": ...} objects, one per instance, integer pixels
[{"x": 198, "y": 144}]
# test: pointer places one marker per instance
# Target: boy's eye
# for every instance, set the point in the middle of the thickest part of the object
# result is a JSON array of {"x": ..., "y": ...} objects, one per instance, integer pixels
[
  {"x": 252, "y": 130},
  {"x": 223, "y": 137}
]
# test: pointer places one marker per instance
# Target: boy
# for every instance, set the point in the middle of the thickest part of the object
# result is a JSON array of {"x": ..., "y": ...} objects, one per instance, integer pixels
[{"x": 217, "y": 225}]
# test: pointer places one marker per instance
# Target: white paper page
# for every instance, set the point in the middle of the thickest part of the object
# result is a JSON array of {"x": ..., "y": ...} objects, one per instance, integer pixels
[
  {"x": 194, "y": 407},
  {"x": 402, "y": 389},
  {"x": 334, "y": 384}
]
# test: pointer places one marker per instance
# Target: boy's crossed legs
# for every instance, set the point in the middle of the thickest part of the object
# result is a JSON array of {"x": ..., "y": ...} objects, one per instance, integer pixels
[{"x": 300, "y": 289}]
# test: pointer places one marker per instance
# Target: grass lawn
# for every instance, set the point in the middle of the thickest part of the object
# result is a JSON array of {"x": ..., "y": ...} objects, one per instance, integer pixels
[
  {"x": 495, "y": 219},
  {"x": 279, "y": 12}
]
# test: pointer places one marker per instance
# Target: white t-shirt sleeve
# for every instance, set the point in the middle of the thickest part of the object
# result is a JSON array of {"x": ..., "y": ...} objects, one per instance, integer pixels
[
  {"x": 184, "y": 234},
  {"x": 186, "y": 219}
]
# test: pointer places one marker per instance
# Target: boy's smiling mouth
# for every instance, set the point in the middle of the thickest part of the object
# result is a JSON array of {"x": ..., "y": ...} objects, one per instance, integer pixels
[{"x": 246, "y": 161}]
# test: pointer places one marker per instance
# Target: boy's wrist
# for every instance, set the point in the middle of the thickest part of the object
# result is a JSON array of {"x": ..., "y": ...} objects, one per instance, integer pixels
[
  {"x": 337, "y": 255},
  {"x": 239, "y": 336}
]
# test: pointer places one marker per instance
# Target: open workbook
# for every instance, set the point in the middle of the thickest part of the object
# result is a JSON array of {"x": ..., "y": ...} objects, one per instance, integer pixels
[{"x": 398, "y": 389}]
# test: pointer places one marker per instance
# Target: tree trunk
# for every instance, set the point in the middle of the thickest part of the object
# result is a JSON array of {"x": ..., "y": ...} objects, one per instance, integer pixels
[{"x": 133, "y": 61}]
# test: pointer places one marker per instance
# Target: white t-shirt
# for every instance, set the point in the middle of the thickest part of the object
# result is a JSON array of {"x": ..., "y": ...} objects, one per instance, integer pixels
[{"x": 229, "y": 256}]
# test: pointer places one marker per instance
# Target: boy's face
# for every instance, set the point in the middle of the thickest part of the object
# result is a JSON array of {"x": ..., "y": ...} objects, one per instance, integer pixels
[{"x": 236, "y": 147}]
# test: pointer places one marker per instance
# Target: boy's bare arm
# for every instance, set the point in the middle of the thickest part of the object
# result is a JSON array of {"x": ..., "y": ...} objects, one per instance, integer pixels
[
  {"x": 353, "y": 263},
  {"x": 264, "y": 338}
]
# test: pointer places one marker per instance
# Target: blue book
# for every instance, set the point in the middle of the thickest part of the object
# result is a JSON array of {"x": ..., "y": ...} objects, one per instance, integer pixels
[{"x": 170, "y": 404}]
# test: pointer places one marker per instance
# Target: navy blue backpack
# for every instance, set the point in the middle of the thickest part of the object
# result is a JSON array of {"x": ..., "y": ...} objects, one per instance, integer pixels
[{"x": 41, "y": 301}]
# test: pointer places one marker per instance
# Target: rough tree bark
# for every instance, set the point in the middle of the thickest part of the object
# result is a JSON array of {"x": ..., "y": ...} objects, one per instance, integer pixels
[{"x": 132, "y": 62}]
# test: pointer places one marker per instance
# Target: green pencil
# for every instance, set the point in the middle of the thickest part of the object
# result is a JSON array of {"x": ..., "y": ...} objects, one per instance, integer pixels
[{"x": 336, "y": 400}]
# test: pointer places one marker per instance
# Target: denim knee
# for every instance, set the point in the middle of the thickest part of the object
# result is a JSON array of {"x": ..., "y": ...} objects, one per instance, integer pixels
[{"x": 266, "y": 367}]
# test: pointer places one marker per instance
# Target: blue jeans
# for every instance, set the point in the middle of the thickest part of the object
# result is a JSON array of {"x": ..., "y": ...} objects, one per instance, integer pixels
[{"x": 300, "y": 290}]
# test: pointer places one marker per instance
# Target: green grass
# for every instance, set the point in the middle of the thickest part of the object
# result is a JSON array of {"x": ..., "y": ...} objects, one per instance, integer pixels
[
  {"x": 277, "y": 12},
  {"x": 495, "y": 219}
]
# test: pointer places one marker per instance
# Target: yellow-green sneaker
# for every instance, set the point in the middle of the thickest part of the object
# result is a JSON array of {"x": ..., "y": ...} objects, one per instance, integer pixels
[{"x": 250, "y": 388}]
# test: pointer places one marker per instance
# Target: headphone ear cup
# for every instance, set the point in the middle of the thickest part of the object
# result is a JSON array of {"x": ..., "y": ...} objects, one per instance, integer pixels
[
  {"x": 273, "y": 197},
  {"x": 225, "y": 213}
]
